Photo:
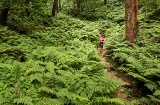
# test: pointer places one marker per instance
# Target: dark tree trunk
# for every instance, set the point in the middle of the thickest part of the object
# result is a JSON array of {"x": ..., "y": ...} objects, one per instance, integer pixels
[
  {"x": 131, "y": 19},
  {"x": 75, "y": 7},
  {"x": 78, "y": 8},
  {"x": 105, "y": 2},
  {"x": 26, "y": 8},
  {"x": 55, "y": 7},
  {"x": 59, "y": 4},
  {"x": 4, "y": 13}
]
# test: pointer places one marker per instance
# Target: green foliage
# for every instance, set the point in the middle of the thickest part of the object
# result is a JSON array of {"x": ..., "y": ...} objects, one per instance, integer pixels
[
  {"x": 27, "y": 83},
  {"x": 96, "y": 10},
  {"x": 140, "y": 62},
  {"x": 23, "y": 17},
  {"x": 54, "y": 65},
  {"x": 54, "y": 61}
]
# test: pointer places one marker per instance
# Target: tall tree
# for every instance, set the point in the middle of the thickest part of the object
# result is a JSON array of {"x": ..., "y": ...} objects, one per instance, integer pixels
[
  {"x": 75, "y": 7},
  {"x": 26, "y": 8},
  {"x": 135, "y": 17},
  {"x": 131, "y": 19},
  {"x": 55, "y": 7},
  {"x": 105, "y": 2},
  {"x": 59, "y": 4},
  {"x": 78, "y": 8},
  {"x": 4, "y": 13}
]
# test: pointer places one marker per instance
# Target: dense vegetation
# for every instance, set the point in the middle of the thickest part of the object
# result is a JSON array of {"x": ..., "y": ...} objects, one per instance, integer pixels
[
  {"x": 54, "y": 60},
  {"x": 141, "y": 62}
]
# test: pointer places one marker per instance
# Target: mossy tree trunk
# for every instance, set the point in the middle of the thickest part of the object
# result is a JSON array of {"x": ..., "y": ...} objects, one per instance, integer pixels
[
  {"x": 26, "y": 8},
  {"x": 78, "y": 8},
  {"x": 4, "y": 13}
]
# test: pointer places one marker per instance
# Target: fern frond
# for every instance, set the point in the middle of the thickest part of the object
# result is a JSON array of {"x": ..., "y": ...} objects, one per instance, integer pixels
[
  {"x": 50, "y": 101},
  {"x": 152, "y": 86},
  {"x": 115, "y": 101},
  {"x": 156, "y": 93},
  {"x": 36, "y": 76},
  {"x": 121, "y": 56},
  {"x": 141, "y": 78},
  {"x": 152, "y": 72},
  {"x": 46, "y": 89},
  {"x": 135, "y": 64},
  {"x": 24, "y": 100},
  {"x": 154, "y": 99}
]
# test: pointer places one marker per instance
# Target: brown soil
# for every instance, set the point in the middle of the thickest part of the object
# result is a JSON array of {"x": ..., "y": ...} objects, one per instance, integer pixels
[{"x": 125, "y": 93}]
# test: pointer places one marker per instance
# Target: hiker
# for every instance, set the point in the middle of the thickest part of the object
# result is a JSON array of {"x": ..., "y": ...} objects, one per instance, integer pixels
[{"x": 101, "y": 39}]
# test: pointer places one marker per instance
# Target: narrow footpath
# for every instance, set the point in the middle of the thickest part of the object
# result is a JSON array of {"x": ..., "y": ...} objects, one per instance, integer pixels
[{"x": 126, "y": 92}]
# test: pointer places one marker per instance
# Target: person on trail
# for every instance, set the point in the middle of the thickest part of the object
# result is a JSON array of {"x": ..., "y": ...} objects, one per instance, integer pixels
[{"x": 101, "y": 39}]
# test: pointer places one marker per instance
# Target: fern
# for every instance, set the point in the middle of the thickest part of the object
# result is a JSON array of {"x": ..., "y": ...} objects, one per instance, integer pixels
[
  {"x": 61, "y": 65},
  {"x": 24, "y": 100},
  {"x": 116, "y": 101},
  {"x": 152, "y": 72}
]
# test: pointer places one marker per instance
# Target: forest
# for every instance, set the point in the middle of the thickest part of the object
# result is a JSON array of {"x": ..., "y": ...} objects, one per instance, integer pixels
[{"x": 49, "y": 52}]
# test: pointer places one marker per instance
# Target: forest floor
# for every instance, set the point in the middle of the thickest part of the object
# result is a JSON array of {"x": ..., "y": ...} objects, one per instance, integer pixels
[{"x": 126, "y": 93}]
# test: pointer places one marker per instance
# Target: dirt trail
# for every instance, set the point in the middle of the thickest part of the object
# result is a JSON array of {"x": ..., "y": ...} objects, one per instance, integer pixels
[{"x": 124, "y": 93}]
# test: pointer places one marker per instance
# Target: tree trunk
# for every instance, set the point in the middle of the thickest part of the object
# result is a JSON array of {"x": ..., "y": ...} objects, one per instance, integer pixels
[
  {"x": 55, "y": 7},
  {"x": 26, "y": 8},
  {"x": 4, "y": 13},
  {"x": 136, "y": 18},
  {"x": 59, "y": 4},
  {"x": 131, "y": 19},
  {"x": 75, "y": 7},
  {"x": 78, "y": 8},
  {"x": 105, "y": 2}
]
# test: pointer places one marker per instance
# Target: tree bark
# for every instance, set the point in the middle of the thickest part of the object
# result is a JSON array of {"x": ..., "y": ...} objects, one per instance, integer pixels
[
  {"x": 78, "y": 8},
  {"x": 59, "y": 4},
  {"x": 55, "y": 7},
  {"x": 26, "y": 8},
  {"x": 75, "y": 7},
  {"x": 131, "y": 19},
  {"x": 105, "y": 2},
  {"x": 4, "y": 13},
  {"x": 136, "y": 18}
]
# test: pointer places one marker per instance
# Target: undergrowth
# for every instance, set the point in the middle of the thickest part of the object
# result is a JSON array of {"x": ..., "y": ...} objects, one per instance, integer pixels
[
  {"x": 141, "y": 62},
  {"x": 54, "y": 61},
  {"x": 58, "y": 64}
]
